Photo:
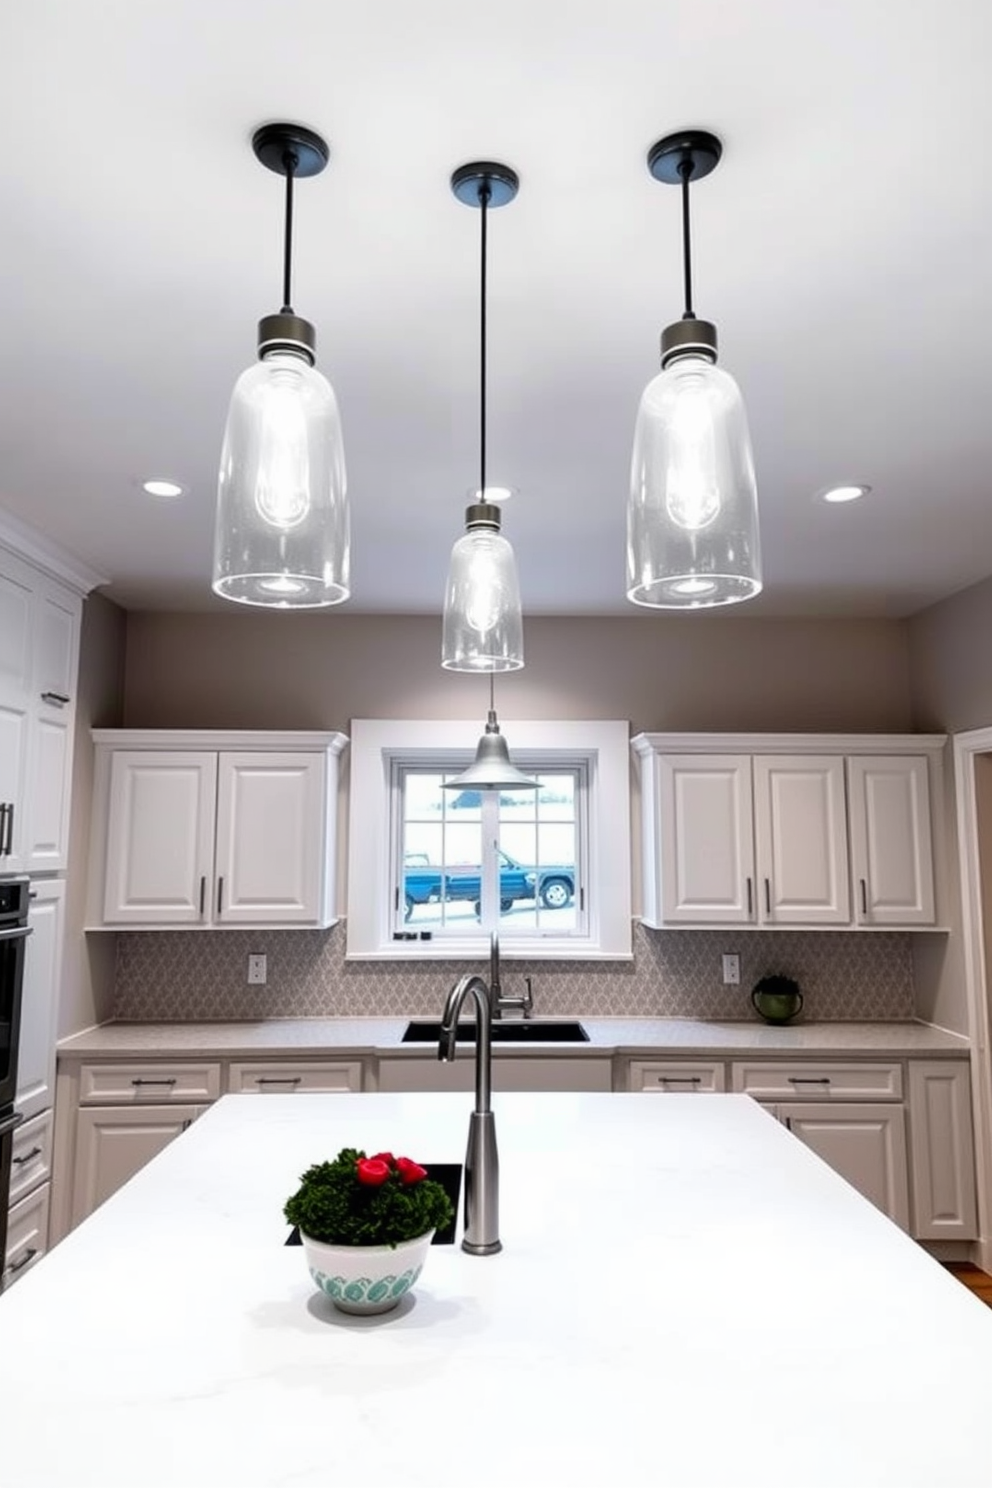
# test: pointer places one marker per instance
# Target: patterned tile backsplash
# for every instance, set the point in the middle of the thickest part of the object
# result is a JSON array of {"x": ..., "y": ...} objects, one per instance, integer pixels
[{"x": 184, "y": 976}]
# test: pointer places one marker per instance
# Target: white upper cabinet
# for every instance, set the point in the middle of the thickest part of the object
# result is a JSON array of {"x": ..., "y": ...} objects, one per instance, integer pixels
[
  {"x": 214, "y": 836},
  {"x": 800, "y": 821},
  {"x": 891, "y": 852},
  {"x": 786, "y": 830},
  {"x": 39, "y": 657},
  {"x": 702, "y": 865}
]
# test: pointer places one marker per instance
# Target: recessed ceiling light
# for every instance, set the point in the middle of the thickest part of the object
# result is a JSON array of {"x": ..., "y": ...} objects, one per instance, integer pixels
[
  {"x": 492, "y": 493},
  {"x": 844, "y": 493},
  {"x": 162, "y": 488}
]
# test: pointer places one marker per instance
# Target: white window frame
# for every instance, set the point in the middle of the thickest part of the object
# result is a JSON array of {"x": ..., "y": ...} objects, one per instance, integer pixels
[{"x": 605, "y": 747}]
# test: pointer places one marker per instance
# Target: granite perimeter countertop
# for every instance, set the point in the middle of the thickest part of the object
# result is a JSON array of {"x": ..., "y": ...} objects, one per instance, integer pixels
[{"x": 319, "y": 1037}]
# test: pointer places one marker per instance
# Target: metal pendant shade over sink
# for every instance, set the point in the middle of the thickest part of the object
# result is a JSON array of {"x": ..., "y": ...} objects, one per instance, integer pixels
[
  {"x": 282, "y": 532},
  {"x": 492, "y": 768},
  {"x": 692, "y": 516}
]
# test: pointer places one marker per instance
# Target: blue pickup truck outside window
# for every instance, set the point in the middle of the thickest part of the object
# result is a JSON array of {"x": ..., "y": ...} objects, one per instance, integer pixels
[{"x": 445, "y": 837}]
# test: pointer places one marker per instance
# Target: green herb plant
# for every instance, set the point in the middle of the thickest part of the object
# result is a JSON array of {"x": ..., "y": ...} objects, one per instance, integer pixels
[{"x": 356, "y": 1200}]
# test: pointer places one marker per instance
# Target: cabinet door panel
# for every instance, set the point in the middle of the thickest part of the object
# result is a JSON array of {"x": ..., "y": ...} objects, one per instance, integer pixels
[
  {"x": 56, "y": 647},
  {"x": 944, "y": 1198},
  {"x": 891, "y": 848},
  {"x": 47, "y": 796},
  {"x": 866, "y": 1144},
  {"x": 39, "y": 1004},
  {"x": 160, "y": 837},
  {"x": 112, "y": 1145},
  {"x": 270, "y": 835},
  {"x": 801, "y": 831},
  {"x": 707, "y": 842}
]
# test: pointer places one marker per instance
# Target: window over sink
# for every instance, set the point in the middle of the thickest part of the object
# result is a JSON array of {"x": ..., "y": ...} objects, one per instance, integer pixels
[{"x": 432, "y": 872}]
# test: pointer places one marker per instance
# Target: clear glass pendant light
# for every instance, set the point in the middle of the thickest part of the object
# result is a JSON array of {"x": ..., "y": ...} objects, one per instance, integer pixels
[
  {"x": 282, "y": 536},
  {"x": 692, "y": 517},
  {"x": 483, "y": 624},
  {"x": 483, "y": 628}
]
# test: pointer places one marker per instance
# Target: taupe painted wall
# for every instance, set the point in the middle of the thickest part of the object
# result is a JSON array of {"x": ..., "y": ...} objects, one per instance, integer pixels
[
  {"x": 660, "y": 672},
  {"x": 88, "y": 961},
  {"x": 950, "y": 656}
]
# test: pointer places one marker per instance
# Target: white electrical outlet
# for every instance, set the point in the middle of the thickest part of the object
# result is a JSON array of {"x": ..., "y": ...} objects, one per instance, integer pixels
[
  {"x": 731, "y": 970},
  {"x": 257, "y": 970}
]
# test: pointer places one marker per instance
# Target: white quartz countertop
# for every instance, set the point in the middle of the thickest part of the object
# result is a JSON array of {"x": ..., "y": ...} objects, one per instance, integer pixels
[
  {"x": 313, "y": 1037},
  {"x": 687, "y": 1296}
]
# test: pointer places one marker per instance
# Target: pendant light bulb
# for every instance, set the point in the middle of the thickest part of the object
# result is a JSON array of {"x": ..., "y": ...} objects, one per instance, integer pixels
[
  {"x": 282, "y": 535},
  {"x": 692, "y": 516}
]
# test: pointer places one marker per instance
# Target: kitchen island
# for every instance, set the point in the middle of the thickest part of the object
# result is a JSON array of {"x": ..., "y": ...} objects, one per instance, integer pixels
[{"x": 687, "y": 1296}]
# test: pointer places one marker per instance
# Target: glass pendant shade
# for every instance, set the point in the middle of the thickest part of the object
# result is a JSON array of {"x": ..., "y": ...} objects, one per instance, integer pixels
[
  {"x": 692, "y": 518},
  {"x": 483, "y": 627},
  {"x": 282, "y": 532}
]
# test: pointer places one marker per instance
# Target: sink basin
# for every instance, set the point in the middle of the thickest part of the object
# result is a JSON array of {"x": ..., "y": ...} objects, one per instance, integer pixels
[{"x": 515, "y": 1031}]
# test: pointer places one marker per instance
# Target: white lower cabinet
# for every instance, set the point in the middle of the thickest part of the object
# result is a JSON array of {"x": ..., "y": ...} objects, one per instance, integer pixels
[
  {"x": 864, "y": 1143},
  {"x": 282, "y": 1078},
  {"x": 113, "y": 1143},
  {"x": 701, "y": 1077},
  {"x": 944, "y": 1198},
  {"x": 508, "y": 1074},
  {"x": 27, "y": 1234}
]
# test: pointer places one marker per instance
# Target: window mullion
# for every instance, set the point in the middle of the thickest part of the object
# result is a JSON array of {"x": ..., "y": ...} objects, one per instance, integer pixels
[{"x": 489, "y": 842}]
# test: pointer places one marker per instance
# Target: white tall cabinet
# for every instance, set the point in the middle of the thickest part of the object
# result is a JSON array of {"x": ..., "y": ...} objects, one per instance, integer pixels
[
  {"x": 207, "y": 829},
  {"x": 41, "y": 599},
  {"x": 790, "y": 830}
]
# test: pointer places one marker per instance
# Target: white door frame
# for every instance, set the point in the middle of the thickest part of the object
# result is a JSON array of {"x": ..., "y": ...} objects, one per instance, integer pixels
[{"x": 967, "y": 747}]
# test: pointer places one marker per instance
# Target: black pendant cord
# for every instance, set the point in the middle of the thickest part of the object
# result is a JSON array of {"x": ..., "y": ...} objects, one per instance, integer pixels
[
  {"x": 290, "y": 162},
  {"x": 492, "y": 692},
  {"x": 685, "y": 171},
  {"x": 485, "y": 193}
]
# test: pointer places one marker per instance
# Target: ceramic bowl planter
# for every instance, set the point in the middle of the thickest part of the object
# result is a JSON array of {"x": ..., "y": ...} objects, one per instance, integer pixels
[{"x": 366, "y": 1279}]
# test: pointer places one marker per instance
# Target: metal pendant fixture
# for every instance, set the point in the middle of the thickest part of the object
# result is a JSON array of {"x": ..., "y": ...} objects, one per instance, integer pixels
[
  {"x": 692, "y": 516},
  {"x": 483, "y": 627},
  {"x": 483, "y": 624},
  {"x": 282, "y": 531},
  {"x": 492, "y": 768}
]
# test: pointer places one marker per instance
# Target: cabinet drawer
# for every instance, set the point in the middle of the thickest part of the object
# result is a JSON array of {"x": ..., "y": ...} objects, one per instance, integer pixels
[
  {"x": 283, "y": 1079},
  {"x": 824, "y": 1080},
  {"x": 31, "y": 1156},
  {"x": 27, "y": 1234},
  {"x": 159, "y": 1084},
  {"x": 676, "y": 1076}
]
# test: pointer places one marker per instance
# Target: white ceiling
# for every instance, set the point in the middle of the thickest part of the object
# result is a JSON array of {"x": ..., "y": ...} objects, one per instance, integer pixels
[{"x": 842, "y": 247}]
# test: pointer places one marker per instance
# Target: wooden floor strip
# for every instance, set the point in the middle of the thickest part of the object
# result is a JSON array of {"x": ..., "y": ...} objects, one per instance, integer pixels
[{"x": 977, "y": 1281}]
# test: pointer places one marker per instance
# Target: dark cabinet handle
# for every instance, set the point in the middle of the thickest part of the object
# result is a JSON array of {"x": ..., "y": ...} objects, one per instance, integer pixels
[
  {"x": 28, "y": 1156},
  {"x": 278, "y": 1079},
  {"x": 170, "y": 1081},
  {"x": 9, "y": 848},
  {"x": 203, "y": 894},
  {"x": 16, "y": 1266},
  {"x": 809, "y": 1079},
  {"x": 3, "y": 822},
  {"x": 768, "y": 896},
  {"x": 220, "y": 894},
  {"x": 750, "y": 898},
  {"x": 58, "y": 698},
  {"x": 681, "y": 1079},
  {"x": 864, "y": 898}
]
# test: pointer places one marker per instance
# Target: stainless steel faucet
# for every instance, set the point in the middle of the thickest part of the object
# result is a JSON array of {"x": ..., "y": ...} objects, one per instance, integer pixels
[
  {"x": 497, "y": 1002},
  {"x": 481, "y": 1235}
]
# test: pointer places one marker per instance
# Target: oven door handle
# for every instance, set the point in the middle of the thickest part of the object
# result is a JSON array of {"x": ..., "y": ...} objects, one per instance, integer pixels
[
  {"x": 9, "y": 1123},
  {"x": 18, "y": 932}
]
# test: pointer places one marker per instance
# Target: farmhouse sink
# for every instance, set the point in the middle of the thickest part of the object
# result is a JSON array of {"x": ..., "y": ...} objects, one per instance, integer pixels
[{"x": 515, "y": 1031}]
